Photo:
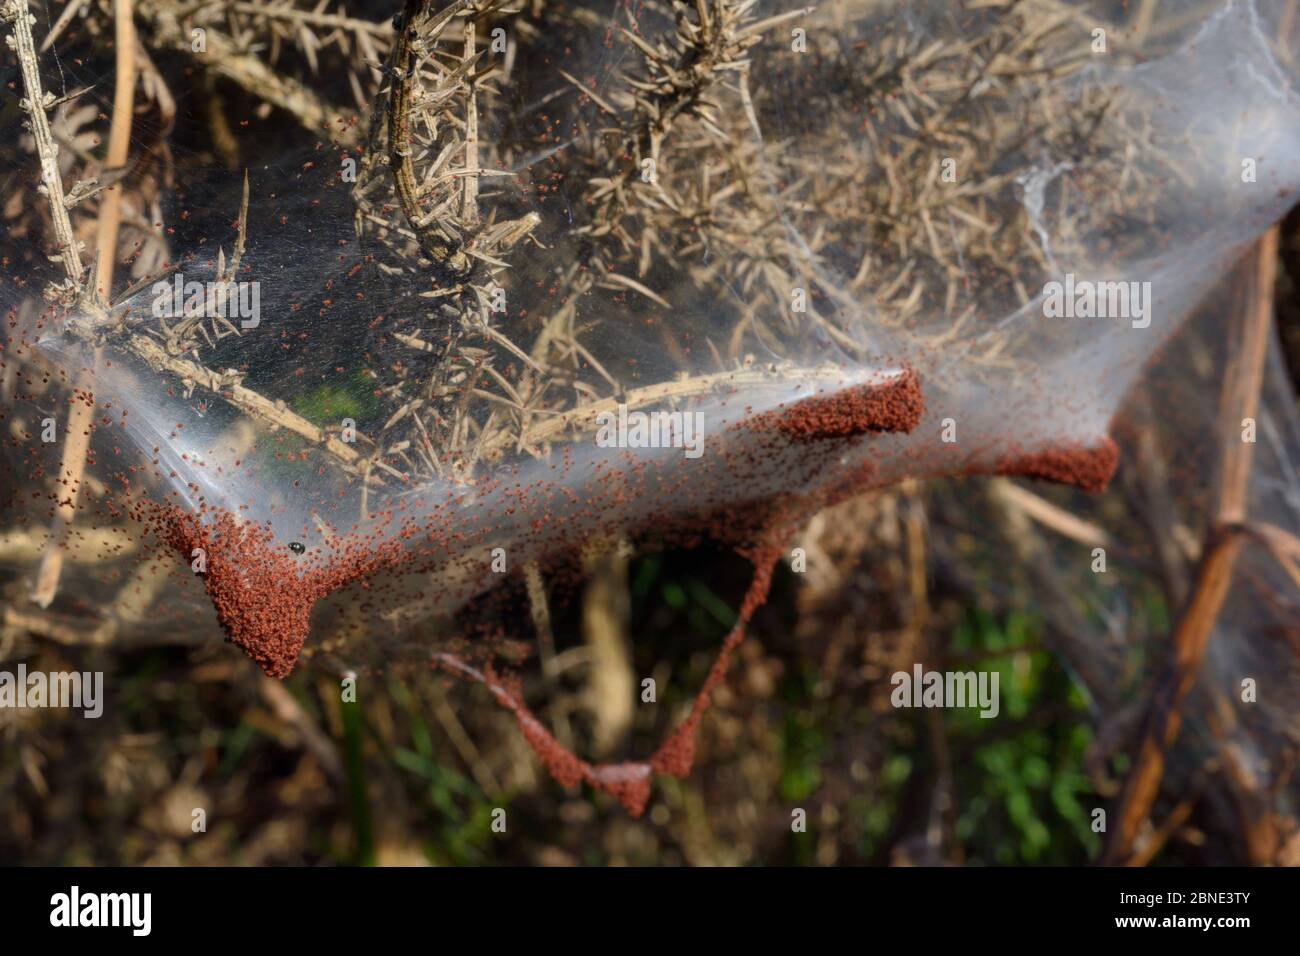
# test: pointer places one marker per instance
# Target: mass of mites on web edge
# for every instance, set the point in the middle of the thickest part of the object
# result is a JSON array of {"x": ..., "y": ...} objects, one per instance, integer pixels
[{"x": 264, "y": 596}]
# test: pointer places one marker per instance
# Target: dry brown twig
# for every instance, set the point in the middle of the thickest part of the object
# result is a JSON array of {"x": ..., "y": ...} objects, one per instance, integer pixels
[
  {"x": 176, "y": 341},
  {"x": 36, "y": 103},
  {"x": 220, "y": 55},
  {"x": 1049, "y": 515},
  {"x": 442, "y": 232},
  {"x": 1214, "y": 573}
]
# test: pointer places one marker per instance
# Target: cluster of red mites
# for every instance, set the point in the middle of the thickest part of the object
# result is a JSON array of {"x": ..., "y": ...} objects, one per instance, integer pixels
[{"x": 264, "y": 593}]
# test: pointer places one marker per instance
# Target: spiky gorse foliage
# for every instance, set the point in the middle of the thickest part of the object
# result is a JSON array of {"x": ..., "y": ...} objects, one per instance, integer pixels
[
  {"x": 478, "y": 365},
  {"x": 427, "y": 199},
  {"x": 678, "y": 73},
  {"x": 693, "y": 208},
  {"x": 900, "y": 208},
  {"x": 529, "y": 221},
  {"x": 277, "y": 52}
]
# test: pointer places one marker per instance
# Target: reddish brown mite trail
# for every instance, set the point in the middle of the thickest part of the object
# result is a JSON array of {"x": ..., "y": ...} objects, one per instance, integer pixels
[
  {"x": 756, "y": 531},
  {"x": 264, "y": 597},
  {"x": 629, "y": 782},
  {"x": 262, "y": 601},
  {"x": 848, "y": 413},
  {"x": 262, "y": 594},
  {"x": 1088, "y": 468},
  {"x": 676, "y": 755}
]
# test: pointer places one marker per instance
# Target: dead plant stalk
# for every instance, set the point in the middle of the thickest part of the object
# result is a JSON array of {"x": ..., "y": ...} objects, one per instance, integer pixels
[{"x": 1214, "y": 573}]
